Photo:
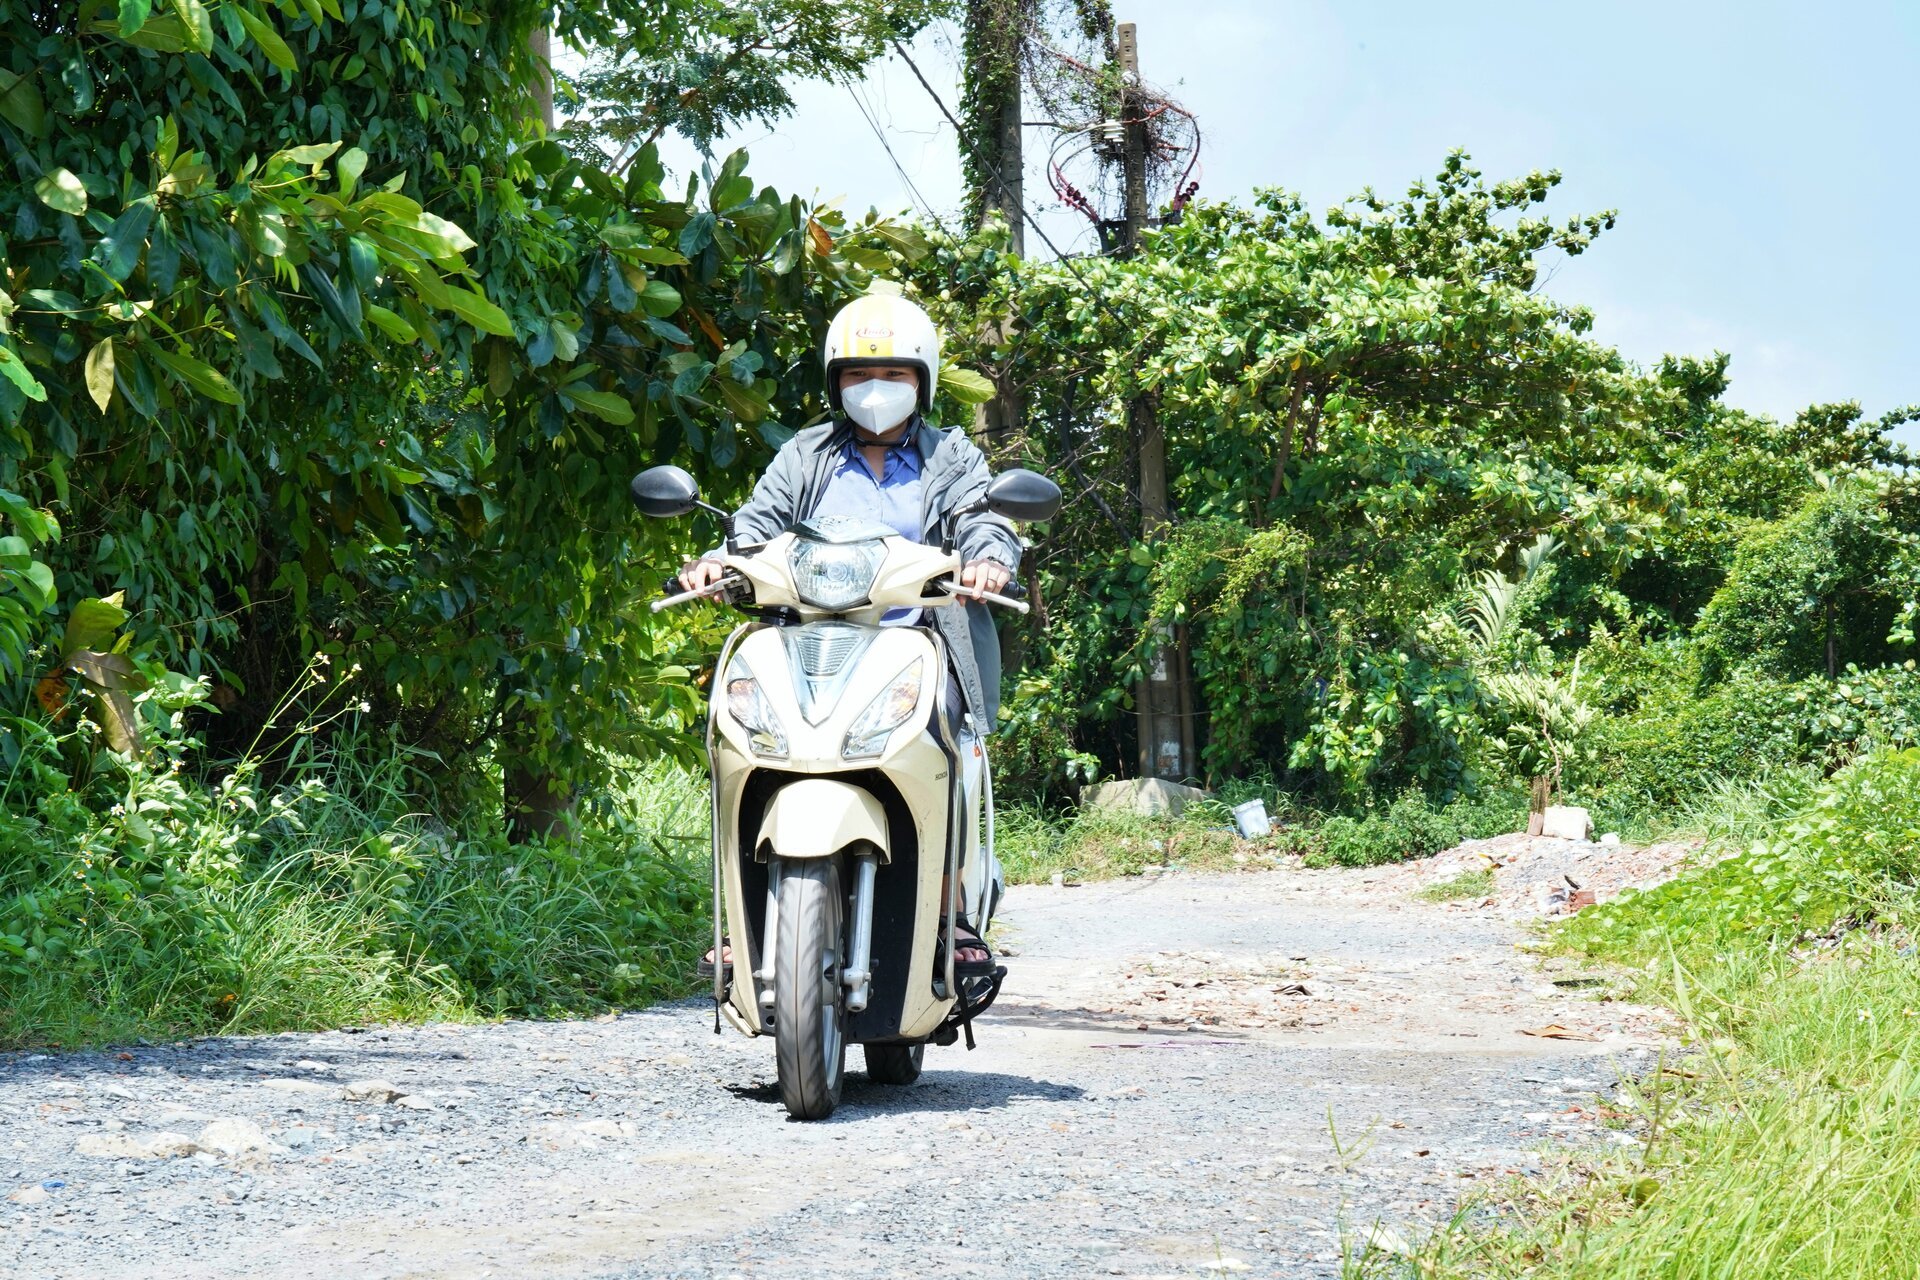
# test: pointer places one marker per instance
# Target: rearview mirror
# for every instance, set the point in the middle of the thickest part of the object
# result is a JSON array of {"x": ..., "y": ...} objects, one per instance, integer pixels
[
  {"x": 664, "y": 491},
  {"x": 1020, "y": 494}
]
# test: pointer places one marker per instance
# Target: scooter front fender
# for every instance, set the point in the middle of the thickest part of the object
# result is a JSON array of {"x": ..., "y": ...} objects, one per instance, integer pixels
[{"x": 818, "y": 817}]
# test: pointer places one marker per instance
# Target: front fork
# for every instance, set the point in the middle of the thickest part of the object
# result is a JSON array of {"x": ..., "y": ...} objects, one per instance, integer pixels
[{"x": 856, "y": 970}]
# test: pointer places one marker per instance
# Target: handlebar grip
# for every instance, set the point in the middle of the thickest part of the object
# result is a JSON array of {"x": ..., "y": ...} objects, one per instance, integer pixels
[{"x": 1014, "y": 590}]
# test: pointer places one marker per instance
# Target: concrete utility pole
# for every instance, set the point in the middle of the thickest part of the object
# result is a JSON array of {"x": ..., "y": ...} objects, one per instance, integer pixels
[
  {"x": 540, "y": 42},
  {"x": 1163, "y": 701},
  {"x": 996, "y": 34}
]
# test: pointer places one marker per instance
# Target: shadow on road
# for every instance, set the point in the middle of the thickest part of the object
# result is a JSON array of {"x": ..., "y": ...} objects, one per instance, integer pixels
[{"x": 936, "y": 1091}]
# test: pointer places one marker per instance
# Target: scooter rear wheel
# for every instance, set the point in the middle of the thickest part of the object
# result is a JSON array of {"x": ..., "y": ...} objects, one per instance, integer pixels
[
  {"x": 894, "y": 1063},
  {"x": 809, "y": 1020}
]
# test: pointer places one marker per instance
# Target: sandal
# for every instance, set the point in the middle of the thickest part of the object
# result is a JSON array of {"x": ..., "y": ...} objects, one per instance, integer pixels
[
  {"x": 979, "y": 982},
  {"x": 967, "y": 939},
  {"x": 705, "y": 967}
]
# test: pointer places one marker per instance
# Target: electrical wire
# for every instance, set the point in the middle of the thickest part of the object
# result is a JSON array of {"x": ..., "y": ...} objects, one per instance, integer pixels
[
  {"x": 1005, "y": 191},
  {"x": 1130, "y": 455},
  {"x": 925, "y": 204}
]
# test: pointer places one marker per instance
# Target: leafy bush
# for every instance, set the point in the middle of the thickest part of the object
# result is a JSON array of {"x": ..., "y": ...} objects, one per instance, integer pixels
[
  {"x": 1856, "y": 839},
  {"x": 146, "y": 902},
  {"x": 1662, "y": 743},
  {"x": 1407, "y": 829}
]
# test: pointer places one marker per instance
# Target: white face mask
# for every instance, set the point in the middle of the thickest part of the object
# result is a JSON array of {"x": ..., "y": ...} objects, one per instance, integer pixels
[{"x": 879, "y": 405}]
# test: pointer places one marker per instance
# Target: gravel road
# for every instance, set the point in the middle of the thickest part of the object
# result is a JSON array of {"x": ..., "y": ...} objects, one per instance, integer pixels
[{"x": 1151, "y": 1098}]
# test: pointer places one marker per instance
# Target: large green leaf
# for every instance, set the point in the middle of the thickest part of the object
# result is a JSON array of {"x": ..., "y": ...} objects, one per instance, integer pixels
[
  {"x": 614, "y": 408},
  {"x": 198, "y": 374},
  {"x": 196, "y": 23},
  {"x": 311, "y": 154},
  {"x": 100, "y": 373},
  {"x": 15, "y": 370},
  {"x": 352, "y": 163},
  {"x": 965, "y": 385},
  {"x": 119, "y": 252},
  {"x": 740, "y": 402},
  {"x": 478, "y": 312},
  {"x": 262, "y": 33},
  {"x": 60, "y": 189},
  {"x": 21, "y": 104},
  {"x": 659, "y": 299},
  {"x": 92, "y": 623},
  {"x": 133, "y": 15},
  {"x": 391, "y": 323}
]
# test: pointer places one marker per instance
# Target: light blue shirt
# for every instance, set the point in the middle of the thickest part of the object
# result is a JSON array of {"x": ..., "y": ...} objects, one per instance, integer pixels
[{"x": 894, "y": 499}]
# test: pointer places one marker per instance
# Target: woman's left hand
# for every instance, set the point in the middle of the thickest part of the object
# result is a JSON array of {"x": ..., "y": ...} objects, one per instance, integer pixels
[{"x": 981, "y": 576}]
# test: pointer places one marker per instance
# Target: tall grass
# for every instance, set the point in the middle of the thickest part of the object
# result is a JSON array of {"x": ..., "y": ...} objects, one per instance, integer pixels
[
  {"x": 334, "y": 898},
  {"x": 1785, "y": 1139},
  {"x": 1787, "y": 1146},
  {"x": 1033, "y": 845}
]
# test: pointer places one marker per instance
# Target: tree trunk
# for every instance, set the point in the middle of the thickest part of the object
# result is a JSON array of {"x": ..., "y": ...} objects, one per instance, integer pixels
[
  {"x": 1542, "y": 797},
  {"x": 540, "y": 43},
  {"x": 1286, "y": 439},
  {"x": 538, "y": 802},
  {"x": 1833, "y": 648}
]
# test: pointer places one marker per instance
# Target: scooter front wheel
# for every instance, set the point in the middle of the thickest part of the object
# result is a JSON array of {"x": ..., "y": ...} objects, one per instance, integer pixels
[{"x": 809, "y": 1019}]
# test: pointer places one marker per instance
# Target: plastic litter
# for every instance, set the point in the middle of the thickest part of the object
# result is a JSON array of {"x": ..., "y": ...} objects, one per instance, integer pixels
[{"x": 1251, "y": 819}]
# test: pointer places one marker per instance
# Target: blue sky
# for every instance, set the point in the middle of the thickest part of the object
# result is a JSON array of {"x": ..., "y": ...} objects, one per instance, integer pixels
[{"x": 1762, "y": 156}]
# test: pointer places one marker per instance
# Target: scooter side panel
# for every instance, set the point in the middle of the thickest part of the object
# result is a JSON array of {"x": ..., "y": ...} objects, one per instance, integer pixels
[{"x": 730, "y": 774}]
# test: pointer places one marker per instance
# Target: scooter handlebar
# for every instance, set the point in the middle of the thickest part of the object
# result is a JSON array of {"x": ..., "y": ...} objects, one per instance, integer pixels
[{"x": 712, "y": 589}]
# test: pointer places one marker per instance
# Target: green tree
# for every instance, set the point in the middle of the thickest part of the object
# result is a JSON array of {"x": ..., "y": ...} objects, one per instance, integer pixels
[
  {"x": 1831, "y": 584},
  {"x": 312, "y": 342},
  {"x": 729, "y": 62},
  {"x": 1388, "y": 385}
]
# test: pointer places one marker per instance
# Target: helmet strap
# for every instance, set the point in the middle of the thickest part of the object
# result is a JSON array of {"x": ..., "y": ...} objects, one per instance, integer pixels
[{"x": 897, "y": 436}]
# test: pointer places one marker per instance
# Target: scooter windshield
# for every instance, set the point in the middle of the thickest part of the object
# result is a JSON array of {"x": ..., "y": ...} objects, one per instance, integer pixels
[{"x": 839, "y": 530}]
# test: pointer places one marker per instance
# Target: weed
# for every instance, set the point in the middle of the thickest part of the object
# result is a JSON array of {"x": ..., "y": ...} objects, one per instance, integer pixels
[
  {"x": 1468, "y": 884},
  {"x": 184, "y": 909},
  {"x": 1102, "y": 844}
]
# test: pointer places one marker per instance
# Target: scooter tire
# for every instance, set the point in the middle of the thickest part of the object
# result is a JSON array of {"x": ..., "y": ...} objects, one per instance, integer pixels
[
  {"x": 809, "y": 1020},
  {"x": 894, "y": 1063}
]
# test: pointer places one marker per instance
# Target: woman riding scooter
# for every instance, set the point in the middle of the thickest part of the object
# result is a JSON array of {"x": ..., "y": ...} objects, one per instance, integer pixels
[{"x": 880, "y": 461}]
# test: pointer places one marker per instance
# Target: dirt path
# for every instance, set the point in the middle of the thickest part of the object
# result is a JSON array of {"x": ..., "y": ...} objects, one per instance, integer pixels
[{"x": 1151, "y": 1098}]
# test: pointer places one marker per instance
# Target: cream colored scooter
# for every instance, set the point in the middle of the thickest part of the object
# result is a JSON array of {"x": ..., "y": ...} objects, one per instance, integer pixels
[{"x": 848, "y": 795}]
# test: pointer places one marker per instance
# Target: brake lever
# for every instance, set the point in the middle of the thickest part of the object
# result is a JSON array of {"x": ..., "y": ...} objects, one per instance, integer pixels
[
  {"x": 711, "y": 589},
  {"x": 958, "y": 592}
]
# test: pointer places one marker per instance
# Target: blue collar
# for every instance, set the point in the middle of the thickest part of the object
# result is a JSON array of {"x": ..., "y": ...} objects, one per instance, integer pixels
[{"x": 902, "y": 454}]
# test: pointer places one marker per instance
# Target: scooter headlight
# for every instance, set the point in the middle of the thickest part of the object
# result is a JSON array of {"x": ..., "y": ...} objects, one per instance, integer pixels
[
  {"x": 748, "y": 705},
  {"x": 834, "y": 575},
  {"x": 868, "y": 737}
]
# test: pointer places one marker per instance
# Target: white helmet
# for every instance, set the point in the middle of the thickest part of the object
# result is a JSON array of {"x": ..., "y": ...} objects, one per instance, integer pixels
[{"x": 882, "y": 328}]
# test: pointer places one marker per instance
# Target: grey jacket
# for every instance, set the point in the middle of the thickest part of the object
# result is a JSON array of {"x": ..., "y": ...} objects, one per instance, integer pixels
[{"x": 953, "y": 474}]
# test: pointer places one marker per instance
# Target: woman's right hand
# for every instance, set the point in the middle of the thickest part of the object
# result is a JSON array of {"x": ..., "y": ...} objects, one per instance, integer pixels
[{"x": 697, "y": 574}]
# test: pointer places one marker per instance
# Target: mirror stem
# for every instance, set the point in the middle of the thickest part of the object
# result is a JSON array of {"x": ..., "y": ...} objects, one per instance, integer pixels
[{"x": 726, "y": 524}]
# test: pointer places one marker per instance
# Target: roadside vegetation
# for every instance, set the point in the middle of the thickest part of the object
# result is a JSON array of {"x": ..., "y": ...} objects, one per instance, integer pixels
[
  {"x": 1779, "y": 1140},
  {"x": 312, "y": 891}
]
